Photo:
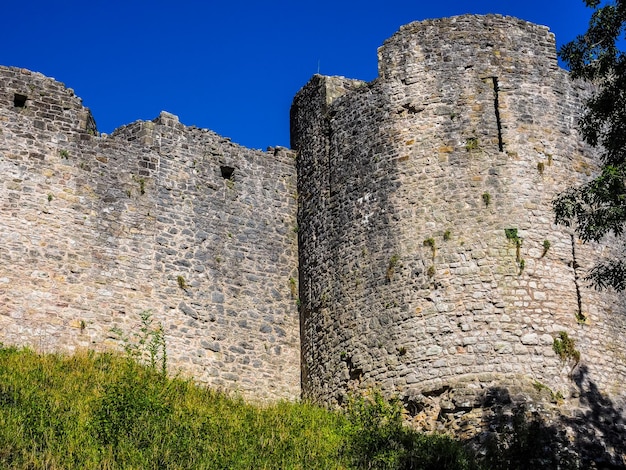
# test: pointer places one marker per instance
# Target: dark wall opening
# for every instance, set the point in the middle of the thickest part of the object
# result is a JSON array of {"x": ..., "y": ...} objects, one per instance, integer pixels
[
  {"x": 19, "y": 101},
  {"x": 227, "y": 172}
]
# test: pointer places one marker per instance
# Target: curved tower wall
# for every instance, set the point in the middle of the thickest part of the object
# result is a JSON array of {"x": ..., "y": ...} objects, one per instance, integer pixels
[{"x": 407, "y": 186}]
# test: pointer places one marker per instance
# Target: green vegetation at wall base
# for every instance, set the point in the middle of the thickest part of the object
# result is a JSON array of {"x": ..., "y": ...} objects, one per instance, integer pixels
[{"x": 104, "y": 411}]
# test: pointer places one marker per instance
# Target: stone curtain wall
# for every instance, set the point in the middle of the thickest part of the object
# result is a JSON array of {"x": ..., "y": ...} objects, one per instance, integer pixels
[
  {"x": 156, "y": 217},
  {"x": 408, "y": 185}
]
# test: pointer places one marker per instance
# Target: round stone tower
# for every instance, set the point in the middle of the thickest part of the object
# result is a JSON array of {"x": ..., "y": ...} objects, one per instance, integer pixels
[{"x": 430, "y": 263}]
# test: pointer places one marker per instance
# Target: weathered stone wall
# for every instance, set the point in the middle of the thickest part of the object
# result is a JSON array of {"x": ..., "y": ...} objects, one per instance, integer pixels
[
  {"x": 407, "y": 185},
  {"x": 407, "y": 188},
  {"x": 156, "y": 217}
]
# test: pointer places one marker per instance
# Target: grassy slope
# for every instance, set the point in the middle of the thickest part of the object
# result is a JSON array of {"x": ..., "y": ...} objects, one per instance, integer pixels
[{"x": 101, "y": 411}]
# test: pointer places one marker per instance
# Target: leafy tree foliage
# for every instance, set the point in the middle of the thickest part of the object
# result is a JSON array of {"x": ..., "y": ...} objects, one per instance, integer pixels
[{"x": 598, "y": 207}]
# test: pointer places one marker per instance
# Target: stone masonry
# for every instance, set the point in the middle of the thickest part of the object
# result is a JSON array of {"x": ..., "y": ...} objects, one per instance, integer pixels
[
  {"x": 412, "y": 224},
  {"x": 156, "y": 217},
  {"x": 430, "y": 264}
]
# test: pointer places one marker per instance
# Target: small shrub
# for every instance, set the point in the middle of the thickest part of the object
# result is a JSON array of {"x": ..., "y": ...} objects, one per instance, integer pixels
[
  {"x": 522, "y": 265},
  {"x": 180, "y": 280},
  {"x": 471, "y": 144},
  {"x": 511, "y": 233},
  {"x": 546, "y": 247},
  {"x": 377, "y": 439},
  {"x": 64, "y": 154},
  {"x": 393, "y": 262},
  {"x": 49, "y": 197},
  {"x": 486, "y": 199},
  {"x": 146, "y": 345},
  {"x": 564, "y": 347},
  {"x": 430, "y": 242},
  {"x": 541, "y": 167},
  {"x": 447, "y": 235},
  {"x": 431, "y": 271}
]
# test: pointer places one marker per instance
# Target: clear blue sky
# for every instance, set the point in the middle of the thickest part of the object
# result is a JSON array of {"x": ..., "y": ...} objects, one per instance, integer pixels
[{"x": 232, "y": 67}]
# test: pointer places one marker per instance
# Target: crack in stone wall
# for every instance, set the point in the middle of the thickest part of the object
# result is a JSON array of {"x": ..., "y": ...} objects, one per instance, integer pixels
[{"x": 496, "y": 106}]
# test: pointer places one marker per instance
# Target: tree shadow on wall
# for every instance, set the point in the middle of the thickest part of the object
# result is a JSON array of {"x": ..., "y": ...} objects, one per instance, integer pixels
[
  {"x": 522, "y": 435},
  {"x": 600, "y": 430}
]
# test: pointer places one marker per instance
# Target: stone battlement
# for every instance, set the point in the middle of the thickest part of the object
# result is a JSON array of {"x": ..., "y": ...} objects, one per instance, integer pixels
[
  {"x": 48, "y": 103},
  {"x": 484, "y": 43}
]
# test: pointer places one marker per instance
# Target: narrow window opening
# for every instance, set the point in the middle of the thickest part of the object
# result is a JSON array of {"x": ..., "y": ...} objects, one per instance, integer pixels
[
  {"x": 496, "y": 105},
  {"x": 19, "y": 101},
  {"x": 227, "y": 172}
]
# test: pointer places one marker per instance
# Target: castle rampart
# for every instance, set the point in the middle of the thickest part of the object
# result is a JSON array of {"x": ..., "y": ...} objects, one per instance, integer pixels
[
  {"x": 429, "y": 260},
  {"x": 156, "y": 217}
]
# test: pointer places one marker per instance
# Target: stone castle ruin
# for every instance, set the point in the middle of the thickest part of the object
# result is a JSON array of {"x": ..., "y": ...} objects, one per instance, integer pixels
[{"x": 406, "y": 243}]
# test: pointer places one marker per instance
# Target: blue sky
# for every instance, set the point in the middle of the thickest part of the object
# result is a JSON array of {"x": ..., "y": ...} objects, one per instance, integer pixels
[{"x": 232, "y": 67}]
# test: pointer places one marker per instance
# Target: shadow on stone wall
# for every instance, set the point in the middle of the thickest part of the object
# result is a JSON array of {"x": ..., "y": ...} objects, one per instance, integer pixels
[
  {"x": 524, "y": 435},
  {"x": 600, "y": 430}
]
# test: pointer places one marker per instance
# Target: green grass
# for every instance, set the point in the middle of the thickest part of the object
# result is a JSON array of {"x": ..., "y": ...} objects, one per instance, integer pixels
[{"x": 104, "y": 411}]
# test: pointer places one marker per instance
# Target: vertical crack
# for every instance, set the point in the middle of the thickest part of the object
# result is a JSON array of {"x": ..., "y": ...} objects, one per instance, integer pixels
[
  {"x": 328, "y": 135},
  {"x": 580, "y": 316},
  {"x": 496, "y": 105}
]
